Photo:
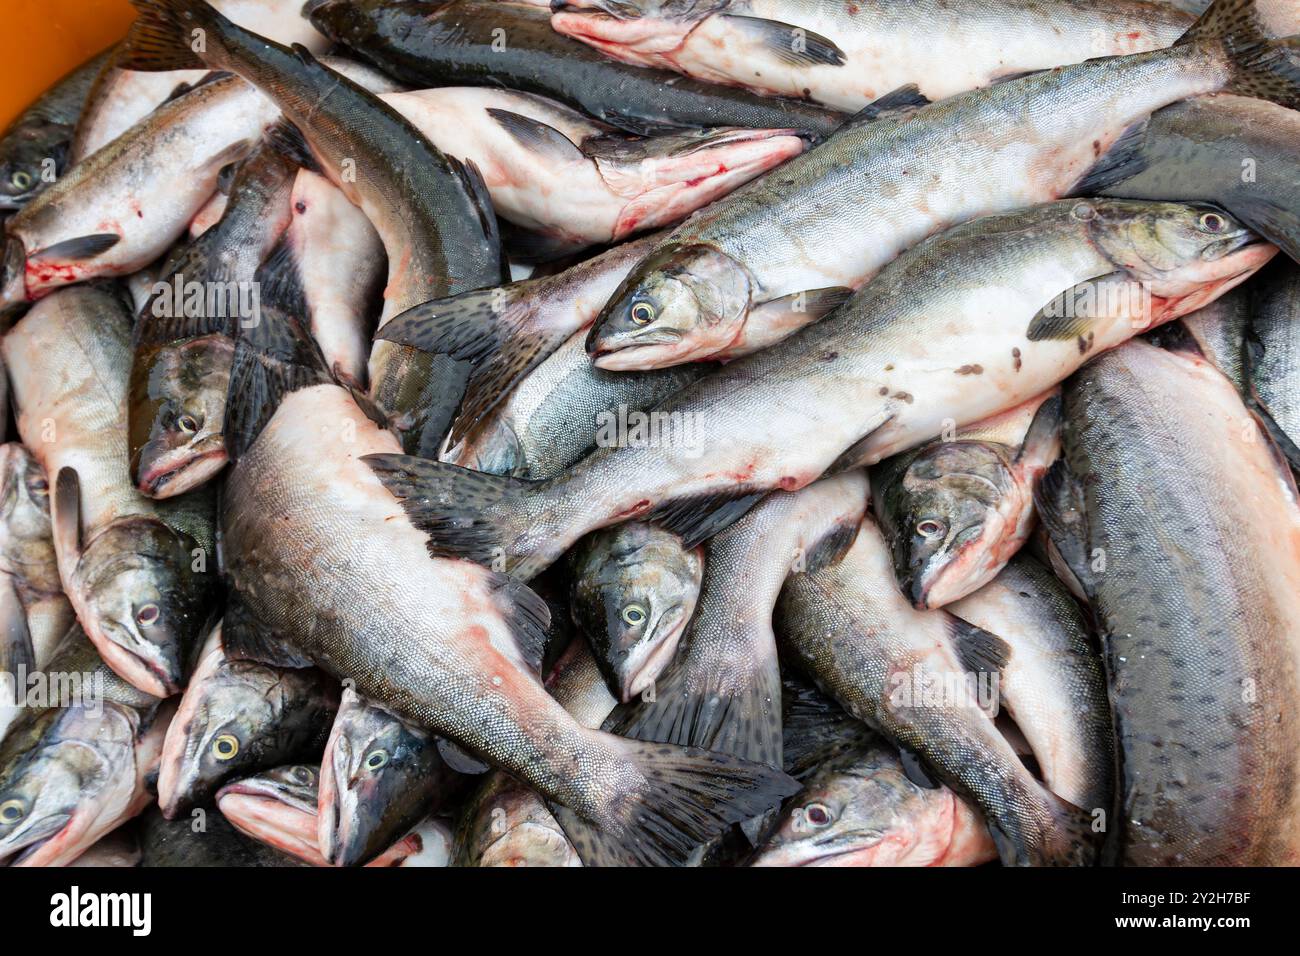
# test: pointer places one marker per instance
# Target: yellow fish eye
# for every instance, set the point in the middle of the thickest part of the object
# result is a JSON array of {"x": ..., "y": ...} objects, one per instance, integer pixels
[
  {"x": 11, "y": 811},
  {"x": 225, "y": 747},
  {"x": 376, "y": 759},
  {"x": 21, "y": 179},
  {"x": 634, "y": 614},
  {"x": 643, "y": 313}
]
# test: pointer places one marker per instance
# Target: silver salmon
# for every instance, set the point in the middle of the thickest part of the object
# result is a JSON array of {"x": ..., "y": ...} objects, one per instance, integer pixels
[
  {"x": 831, "y": 218},
  {"x": 1203, "y": 656}
]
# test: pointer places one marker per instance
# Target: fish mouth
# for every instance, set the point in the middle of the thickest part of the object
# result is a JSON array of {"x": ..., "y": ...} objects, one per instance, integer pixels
[
  {"x": 652, "y": 661},
  {"x": 528, "y": 844},
  {"x": 958, "y": 571},
  {"x": 177, "y": 774},
  {"x": 336, "y": 813},
  {"x": 619, "y": 30},
  {"x": 658, "y": 348},
  {"x": 693, "y": 174},
  {"x": 137, "y": 670},
  {"x": 47, "y": 833},
  {"x": 171, "y": 475},
  {"x": 1223, "y": 275},
  {"x": 259, "y": 811},
  {"x": 727, "y": 137}
]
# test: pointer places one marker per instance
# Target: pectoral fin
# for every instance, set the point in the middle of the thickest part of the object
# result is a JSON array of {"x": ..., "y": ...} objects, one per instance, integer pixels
[
  {"x": 793, "y": 46},
  {"x": 1071, "y": 314}
]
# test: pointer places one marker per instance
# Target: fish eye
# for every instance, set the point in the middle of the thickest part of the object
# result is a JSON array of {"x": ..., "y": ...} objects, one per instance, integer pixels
[
  {"x": 817, "y": 814},
  {"x": 148, "y": 614},
  {"x": 38, "y": 487},
  {"x": 634, "y": 614},
  {"x": 187, "y": 423},
  {"x": 225, "y": 747},
  {"x": 11, "y": 811},
  {"x": 1213, "y": 222},
  {"x": 376, "y": 759},
  {"x": 21, "y": 179},
  {"x": 303, "y": 775},
  {"x": 643, "y": 313},
  {"x": 930, "y": 528}
]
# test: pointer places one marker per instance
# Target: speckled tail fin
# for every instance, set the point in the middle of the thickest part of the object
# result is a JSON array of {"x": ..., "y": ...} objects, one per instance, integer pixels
[{"x": 686, "y": 797}]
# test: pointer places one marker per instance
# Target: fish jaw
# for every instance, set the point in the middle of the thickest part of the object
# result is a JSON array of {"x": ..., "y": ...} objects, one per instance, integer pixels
[
  {"x": 644, "y": 664},
  {"x": 530, "y": 844},
  {"x": 132, "y": 668},
  {"x": 179, "y": 470},
  {"x": 337, "y": 803},
  {"x": 266, "y": 818},
  {"x": 685, "y": 183},
  {"x": 1208, "y": 283},
  {"x": 641, "y": 41},
  {"x": 977, "y": 561}
]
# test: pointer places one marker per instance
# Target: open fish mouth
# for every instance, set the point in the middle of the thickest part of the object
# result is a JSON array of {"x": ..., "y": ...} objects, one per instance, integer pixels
[
  {"x": 273, "y": 814},
  {"x": 166, "y": 476},
  {"x": 50, "y": 831}
]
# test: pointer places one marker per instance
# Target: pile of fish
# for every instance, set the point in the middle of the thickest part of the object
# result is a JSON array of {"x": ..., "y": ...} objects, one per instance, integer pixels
[{"x": 634, "y": 432}]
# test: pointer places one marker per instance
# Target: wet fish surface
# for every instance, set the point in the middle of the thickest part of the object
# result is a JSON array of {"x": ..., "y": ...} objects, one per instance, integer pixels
[{"x": 1201, "y": 657}]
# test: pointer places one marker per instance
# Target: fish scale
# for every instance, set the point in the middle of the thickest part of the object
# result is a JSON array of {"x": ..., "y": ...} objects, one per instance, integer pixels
[{"x": 1196, "y": 602}]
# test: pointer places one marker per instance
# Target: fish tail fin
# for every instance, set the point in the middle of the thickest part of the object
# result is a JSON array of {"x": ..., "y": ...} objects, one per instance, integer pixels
[
  {"x": 491, "y": 329},
  {"x": 273, "y": 356},
  {"x": 1074, "y": 838},
  {"x": 685, "y": 798},
  {"x": 465, "y": 514},
  {"x": 1066, "y": 836},
  {"x": 170, "y": 35},
  {"x": 1263, "y": 68},
  {"x": 742, "y": 718}
]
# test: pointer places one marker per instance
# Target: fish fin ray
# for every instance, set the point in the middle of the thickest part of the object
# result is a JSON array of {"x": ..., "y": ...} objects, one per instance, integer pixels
[
  {"x": 1279, "y": 225},
  {"x": 1058, "y": 499},
  {"x": 858, "y": 454},
  {"x": 77, "y": 250},
  {"x": 280, "y": 280},
  {"x": 832, "y": 546},
  {"x": 451, "y": 504},
  {"x": 1044, "y": 430},
  {"x": 158, "y": 41},
  {"x": 977, "y": 649},
  {"x": 686, "y": 797},
  {"x": 699, "y": 518},
  {"x": 273, "y": 358},
  {"x": 690, "y": 710},
  {"x": 915, "y": 769},
  {"x": 287, "y": 139},
  {"x": 16, "y": 650},
  {"x": 459, "y": 759},
  {"x": 486, "y": 327},
  {"x": 1124, "y": 160},
  {"x": 1059, "y": 319},
  {"x": 779, "y": 39},
  {"x": 1263, "y": 68},
  {"x": 537, "y": 137},
  {"x": 528, "y": 617},
  {"x": 67, "y": 511},
  {"x": 245, "y": 637}
]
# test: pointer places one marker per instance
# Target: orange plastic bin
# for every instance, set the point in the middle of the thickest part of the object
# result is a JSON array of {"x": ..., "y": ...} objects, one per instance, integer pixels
[{"x": 44, "y": 40}]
